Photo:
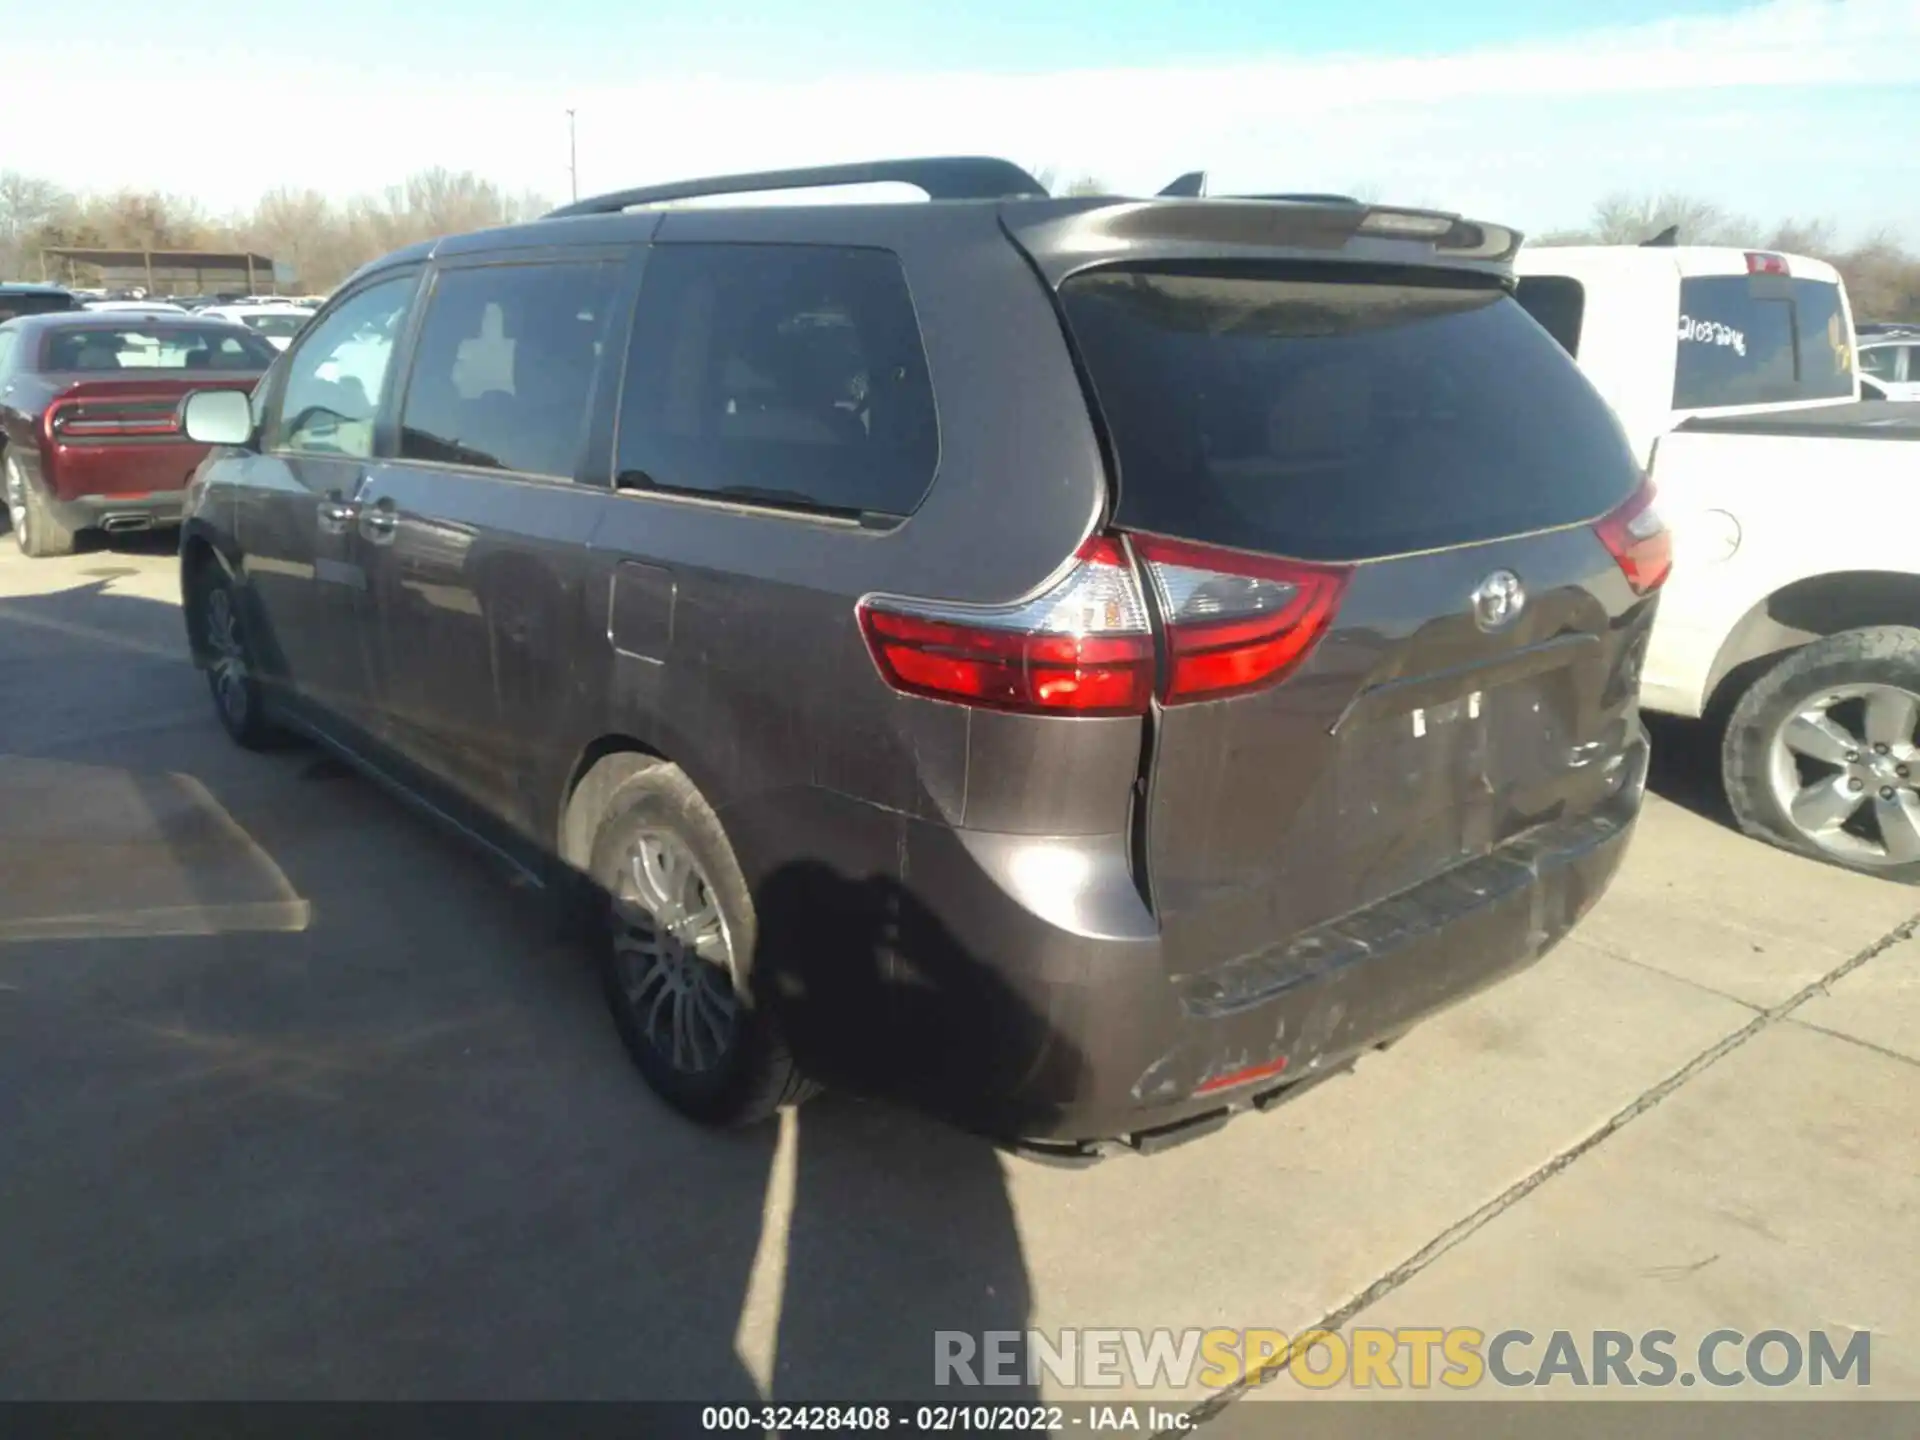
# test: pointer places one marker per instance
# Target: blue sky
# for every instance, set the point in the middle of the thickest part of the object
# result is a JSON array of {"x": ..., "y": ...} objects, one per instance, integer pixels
[{"x": 1526, "y": 111}]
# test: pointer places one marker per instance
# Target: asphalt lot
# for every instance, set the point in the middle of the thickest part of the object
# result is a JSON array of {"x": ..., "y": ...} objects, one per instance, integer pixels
[{"x": 298, "y": 1099}]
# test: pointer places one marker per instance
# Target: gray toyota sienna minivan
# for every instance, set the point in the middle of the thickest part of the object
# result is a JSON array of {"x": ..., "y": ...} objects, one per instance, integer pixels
[{"x": 1086, "y": 666}]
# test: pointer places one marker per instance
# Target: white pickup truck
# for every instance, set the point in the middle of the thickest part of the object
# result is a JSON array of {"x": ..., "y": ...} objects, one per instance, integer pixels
[{"x": 1792, "y": 617}]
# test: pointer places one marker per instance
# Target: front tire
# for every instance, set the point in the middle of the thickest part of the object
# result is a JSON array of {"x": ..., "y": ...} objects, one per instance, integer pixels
[
  {"x": 227, "y": 656},
  {"x": 36, "y": 530},
  {"x": 677, "y": 949},
  {"x": 1820, "y": 755}
]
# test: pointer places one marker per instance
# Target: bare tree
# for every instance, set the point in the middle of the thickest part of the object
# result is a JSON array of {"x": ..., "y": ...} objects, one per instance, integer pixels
[
  {"x": 27, "y": 203},
  {"x": 1627, "y": 220}
]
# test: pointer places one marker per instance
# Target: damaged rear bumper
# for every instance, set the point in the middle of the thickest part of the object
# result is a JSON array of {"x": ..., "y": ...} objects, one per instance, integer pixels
[{"x": 1144, "y": 1060}]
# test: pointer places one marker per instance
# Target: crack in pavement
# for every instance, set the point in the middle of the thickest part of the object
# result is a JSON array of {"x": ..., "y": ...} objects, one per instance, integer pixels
[{"x": 1461, "y": 1229}]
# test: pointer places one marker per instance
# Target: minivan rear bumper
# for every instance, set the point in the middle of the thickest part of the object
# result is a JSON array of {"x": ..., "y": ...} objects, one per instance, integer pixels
[{"x": 1073, "y": 1053}]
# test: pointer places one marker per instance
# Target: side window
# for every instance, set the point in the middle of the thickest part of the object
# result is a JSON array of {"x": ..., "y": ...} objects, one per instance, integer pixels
[
  {"x": 1558, "y": 305},
  {"x": 782, "y": 374},
  {"x": 1880, "y": 361},
  {"x": 1758, "y": 340},
  {"x": 336, "y": 372},
  {"x": 7, "y": 338},
  {"x": 1825, "y": 345},
  {"x": 1912, "y": 373},
  {"x": 502, "y": 377}
]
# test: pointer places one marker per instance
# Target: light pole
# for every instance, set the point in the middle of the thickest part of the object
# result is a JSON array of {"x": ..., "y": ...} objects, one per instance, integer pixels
[{"x": 573, "y": 163}]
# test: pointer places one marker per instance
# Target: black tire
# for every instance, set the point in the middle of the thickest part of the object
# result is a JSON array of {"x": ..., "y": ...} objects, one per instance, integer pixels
[
  {"x": 1884, "y": 655},
  {"x": 750, "y": 1073},
  {"x": 36, "y": 531},
  {"x": 226, "y": 654}
]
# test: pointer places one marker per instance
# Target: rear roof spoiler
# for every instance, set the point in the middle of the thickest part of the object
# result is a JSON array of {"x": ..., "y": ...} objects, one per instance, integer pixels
[{"x": 1064, "y": 237}]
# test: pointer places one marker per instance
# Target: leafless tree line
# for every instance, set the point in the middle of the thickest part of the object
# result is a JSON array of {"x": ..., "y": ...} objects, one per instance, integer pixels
[
  {"x": 325, "y": 239},
  {"x": 1882, "y": 275}
]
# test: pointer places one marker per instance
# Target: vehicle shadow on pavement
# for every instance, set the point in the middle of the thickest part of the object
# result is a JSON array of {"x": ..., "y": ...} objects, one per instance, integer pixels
[
  {"x": 392, "y": 1148},
  {"x": 1685, "y": 767}
]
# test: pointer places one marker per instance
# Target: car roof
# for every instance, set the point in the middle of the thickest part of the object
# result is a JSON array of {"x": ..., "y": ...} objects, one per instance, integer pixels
[
  {"x": 118, "y": 320},
  {"x": 1688, "y": 261},
  {"x": 974, "y": 198},
  {"x": 31, "y": 287}
]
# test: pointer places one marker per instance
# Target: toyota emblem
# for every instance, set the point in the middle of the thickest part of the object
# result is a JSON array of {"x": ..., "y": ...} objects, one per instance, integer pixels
[{"x": 1498, "y": 600}]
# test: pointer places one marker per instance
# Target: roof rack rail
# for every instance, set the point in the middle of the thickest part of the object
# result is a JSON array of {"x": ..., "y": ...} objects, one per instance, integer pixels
[{"x": 950, "y": 177}]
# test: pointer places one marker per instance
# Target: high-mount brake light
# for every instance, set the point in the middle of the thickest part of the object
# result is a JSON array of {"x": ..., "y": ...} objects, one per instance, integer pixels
[
  {"x": 1235, "y": 622},
  {"x": 1639, "y": 540},
  {"x": 1406, "y": 223},
  {"x": 1761, "y": 262}
]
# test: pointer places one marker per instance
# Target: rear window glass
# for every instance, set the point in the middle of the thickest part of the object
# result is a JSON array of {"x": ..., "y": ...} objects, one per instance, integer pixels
[
  {"x": 1340, "y": 420},
  {"x": 32, "y": 303},
  {"x": 1558, "y": 305},
  {"x": 786, "y": 375},
  {"x": 275, "y": 327},
  {"x": 1759, "y": 340},
  {"x": 153, "y": 347}
]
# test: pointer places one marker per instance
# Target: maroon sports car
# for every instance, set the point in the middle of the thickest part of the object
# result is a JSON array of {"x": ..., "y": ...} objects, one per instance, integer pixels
[{"x": 90, "y": 433}]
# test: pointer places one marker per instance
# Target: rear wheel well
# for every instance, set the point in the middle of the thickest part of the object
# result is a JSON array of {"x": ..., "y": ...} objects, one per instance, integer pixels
[
  {"x": 1802, "y": 612},
  {"x": 601, "y": 767}
]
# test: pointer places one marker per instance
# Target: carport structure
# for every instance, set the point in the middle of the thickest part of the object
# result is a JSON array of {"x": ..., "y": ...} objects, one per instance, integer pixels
[{"x": 171, "y": 272}]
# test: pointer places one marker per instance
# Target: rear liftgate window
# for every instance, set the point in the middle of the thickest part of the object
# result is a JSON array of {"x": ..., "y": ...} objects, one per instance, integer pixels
[
  {"x": 1339, "y": 419},
  {"x": 1760, "y": 340}
]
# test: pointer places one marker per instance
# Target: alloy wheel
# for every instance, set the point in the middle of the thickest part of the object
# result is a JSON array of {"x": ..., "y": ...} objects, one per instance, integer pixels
[
  {"x": 228, "y": 669},
  {"x": 674, "y": 954},
  {"x": 1845, "y": 769}
]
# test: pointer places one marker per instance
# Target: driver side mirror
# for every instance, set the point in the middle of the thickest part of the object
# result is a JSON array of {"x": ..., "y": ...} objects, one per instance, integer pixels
[{"x": 218, "y": 417}]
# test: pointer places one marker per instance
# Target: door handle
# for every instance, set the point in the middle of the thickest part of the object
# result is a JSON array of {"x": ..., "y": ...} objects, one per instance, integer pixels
[
  {"x": 337, "y": 514},
  {"x": 379, "y": 522}
]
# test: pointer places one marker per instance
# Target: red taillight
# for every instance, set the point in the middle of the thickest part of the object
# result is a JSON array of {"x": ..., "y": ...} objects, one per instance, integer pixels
[
  {"x": 95, "y": 420},
  {"x": 1639, "y": 540},
  {"x": 1759, "y": 262},
  {"x": 1235, "y": 622},
  {"x": 1082, "y": 648}
]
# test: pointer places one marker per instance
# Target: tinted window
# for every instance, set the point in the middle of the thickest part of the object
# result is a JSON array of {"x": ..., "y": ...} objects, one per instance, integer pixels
[
  {"x": 503, "y": 376},
  {"x": 1339, "y": 421},
  {"x": 336, "y": 373},
  {"x": 1558, "y": 304},
  {"x": 7, "y": 338},
  {"x": 139, "y": 346},
  {"x": 29, "y": 302},
  {"x": 782, "y": 374},
  {"x": 1759, "y": 340}
]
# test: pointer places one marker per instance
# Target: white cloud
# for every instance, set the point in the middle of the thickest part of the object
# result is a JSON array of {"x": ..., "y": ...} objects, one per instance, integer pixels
[{"x": 1529, "y": 132}]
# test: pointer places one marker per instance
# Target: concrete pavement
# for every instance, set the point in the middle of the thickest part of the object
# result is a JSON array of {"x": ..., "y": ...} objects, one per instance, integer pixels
[{"x": 299, "y": 1098}]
